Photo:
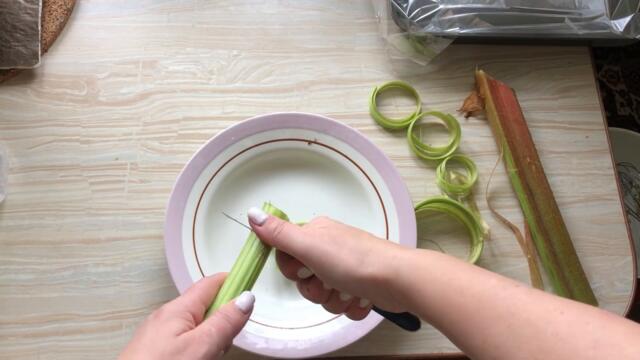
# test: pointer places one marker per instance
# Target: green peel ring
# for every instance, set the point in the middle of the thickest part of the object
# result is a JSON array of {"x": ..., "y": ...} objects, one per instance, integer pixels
[
  {"x": 457, "y": 189},
  {"x": 429, "y": 152},
  {"x": 391, "y": 123},
  {"x": 462, "y": 214}
]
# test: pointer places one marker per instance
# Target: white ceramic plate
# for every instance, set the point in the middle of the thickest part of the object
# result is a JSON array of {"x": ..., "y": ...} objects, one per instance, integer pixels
[
  {"x": 626, "y": 152},
  {"x": 307, "y": 165}
]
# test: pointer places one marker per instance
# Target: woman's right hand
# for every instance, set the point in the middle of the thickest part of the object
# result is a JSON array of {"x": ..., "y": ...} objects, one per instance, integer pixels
[{"x": 344, "y": 269}]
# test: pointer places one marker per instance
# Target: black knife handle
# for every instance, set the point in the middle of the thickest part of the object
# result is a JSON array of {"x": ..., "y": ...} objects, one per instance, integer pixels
[{"x": 405, "y": 320}]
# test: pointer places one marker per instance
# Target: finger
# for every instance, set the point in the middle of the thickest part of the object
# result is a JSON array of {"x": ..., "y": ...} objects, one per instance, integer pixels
[
  {"x": 359, "y": 309},
  {"x": 291, "y": 268},
  {"x": 314, "y": 290},
  {"x": 216, "y": 333},
  {"x": 197, "y": 299},
  {"x": 338, "y": 302},
  {"x": 280, "y": 234}
]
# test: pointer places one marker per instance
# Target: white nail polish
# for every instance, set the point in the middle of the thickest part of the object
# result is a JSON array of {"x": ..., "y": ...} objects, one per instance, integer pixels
[
  {"x": 304, "y": 273},
  {"x": 257, "y": 216},
  {"x": 344, "y": 296},
  {"x": 325, "y": 286},
  {"x": 364, "y": 303},
  {"x": 245, "y": 301}
]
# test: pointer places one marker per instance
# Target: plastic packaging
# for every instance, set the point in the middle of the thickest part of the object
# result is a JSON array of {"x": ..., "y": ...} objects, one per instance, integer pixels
[
  {"x": 20, "y": 34},
  {"x": 409, "y": 52},
  {"x": 584, "y": 20}
]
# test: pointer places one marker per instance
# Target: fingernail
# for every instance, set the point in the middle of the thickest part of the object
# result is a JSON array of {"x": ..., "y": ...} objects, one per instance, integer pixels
[
  {"x": 344, "y": 296},
  {"x": 364, "y": 303},
  {"x": 304, "y": 273},
  {"x": 325, "y": 286},
  {"x": 257, "y": 216},
  {"x": 245, "y": 301}
]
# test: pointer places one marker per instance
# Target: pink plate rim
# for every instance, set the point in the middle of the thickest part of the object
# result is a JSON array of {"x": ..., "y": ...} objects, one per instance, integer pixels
[{"x": 286, "y": 120}]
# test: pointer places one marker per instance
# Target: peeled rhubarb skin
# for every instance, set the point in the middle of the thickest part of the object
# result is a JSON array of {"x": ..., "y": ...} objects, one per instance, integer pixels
[{"x": 542, "y": 214}]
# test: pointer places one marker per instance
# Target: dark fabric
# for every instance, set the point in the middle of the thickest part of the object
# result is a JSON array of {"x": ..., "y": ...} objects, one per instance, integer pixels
[{"x": 618, "y": 74}]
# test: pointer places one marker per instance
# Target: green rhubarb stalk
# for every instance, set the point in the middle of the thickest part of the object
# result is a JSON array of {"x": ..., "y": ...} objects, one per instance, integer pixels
[
  {"x": 248, "y": 265},
  {"x": 541, "y": 212}
]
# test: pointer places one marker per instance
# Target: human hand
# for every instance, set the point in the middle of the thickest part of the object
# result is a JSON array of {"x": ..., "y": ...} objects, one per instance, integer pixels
[
  {"x": 178, "y": 330},
  {"x": 340, "y": 267}
]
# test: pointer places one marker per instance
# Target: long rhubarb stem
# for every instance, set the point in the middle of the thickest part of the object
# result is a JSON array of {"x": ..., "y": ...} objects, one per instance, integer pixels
[
  {"x": 541, "y": 212},
  {"x": 248, "y": 266}
]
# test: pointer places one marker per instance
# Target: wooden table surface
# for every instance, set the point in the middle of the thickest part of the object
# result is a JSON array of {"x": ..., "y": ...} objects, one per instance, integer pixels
[{"x": 98, "y": 134}]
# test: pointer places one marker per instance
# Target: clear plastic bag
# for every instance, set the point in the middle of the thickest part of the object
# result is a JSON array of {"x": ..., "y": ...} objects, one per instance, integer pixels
[
  {"x": 408, "y": 52},
  {"x": 533, "y": 19},
  {"x": 416, "y": 31}
]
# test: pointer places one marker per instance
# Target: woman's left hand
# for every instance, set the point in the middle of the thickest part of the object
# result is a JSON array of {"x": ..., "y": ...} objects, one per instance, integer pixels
[{"x": 178, "y": 330}]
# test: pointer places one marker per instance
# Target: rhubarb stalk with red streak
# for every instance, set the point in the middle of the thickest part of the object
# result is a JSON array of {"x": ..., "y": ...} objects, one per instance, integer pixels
[{"x": 542, "y": 215}]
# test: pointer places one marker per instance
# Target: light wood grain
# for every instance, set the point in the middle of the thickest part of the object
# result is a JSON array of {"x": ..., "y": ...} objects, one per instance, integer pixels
[{"x": 98, "y": 134}]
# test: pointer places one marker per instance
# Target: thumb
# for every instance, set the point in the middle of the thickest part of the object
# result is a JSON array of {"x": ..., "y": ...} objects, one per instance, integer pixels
[
  {"x": 282, "y": 235},
  {"x": 216, "y": 333}
]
